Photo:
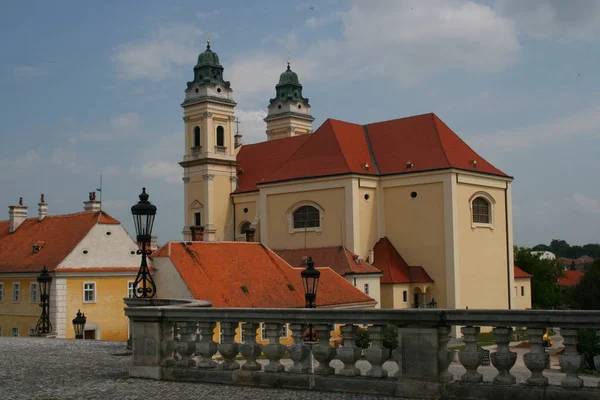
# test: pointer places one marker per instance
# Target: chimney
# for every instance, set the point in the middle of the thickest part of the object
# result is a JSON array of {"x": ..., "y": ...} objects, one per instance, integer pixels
[
  {"x": 92, "y": 204},
  {"x": 250, "y": 234},
  {"x": 16, "y": 215},
  {"x": 197, "y": 233},
  {"x": 42, "y": 208},
  {"x": 371, "y": 258},
  {"x": 154, "y": 243}
]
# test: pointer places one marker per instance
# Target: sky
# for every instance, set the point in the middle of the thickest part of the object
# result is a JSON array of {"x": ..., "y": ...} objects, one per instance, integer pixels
[{"x": 94, "y": 88}]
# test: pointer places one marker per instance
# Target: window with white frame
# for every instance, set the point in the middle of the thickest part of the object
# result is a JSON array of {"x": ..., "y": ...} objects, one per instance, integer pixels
[
  {"x": 89, "y": 292},
  {"x": 33, "y": 292},
  {"x": 482, "y": 210},
  {"x": 1, "y": 291},
  {"x": 307, "y": 217},
  {"x": 16, "y": 292},
  {"x": 285, "y": 331},
  {"x": 405, "y": 296},
  {"x": 242, "y": 333},
  {"x": 522, "y": 290},
  {"x": 263, "y": 331},
  {"x": 15, "y": 331},
  {"x": 366, "y": 289},
  {"x": 32, "y": 332},
  {"x": 130, "y": 289},
  {"x": 221, "y": 337}
]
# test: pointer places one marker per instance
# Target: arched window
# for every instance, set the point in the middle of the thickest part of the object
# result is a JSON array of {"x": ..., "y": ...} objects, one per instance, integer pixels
[
  {"x": 197, "y": 136},
  {"x": 307, "y": 217},
  {"x": 220, "y": 136},
  {"x": 481, "y": 210},
  {"x": 244, "y": 227}
]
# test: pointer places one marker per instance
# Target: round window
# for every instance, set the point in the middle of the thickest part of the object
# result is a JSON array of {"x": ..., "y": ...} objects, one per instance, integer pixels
[
  {"x": 299, "y": 105},
  {"x": 218, "y": 90},
  {"x": 413, "y": 194},
  {"x": 245, "y": 211},
  {"x": 85, "y": 252},
  {"x": 108, "y": 233},
  {"x": 279, "y": 106},
  {"x": 367, "y": 196}
]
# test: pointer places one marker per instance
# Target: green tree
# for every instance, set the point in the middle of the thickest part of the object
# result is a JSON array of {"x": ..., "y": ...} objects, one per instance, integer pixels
[
  {"x": 586, "y": 295},
  {"x": 545, "y": 291}
]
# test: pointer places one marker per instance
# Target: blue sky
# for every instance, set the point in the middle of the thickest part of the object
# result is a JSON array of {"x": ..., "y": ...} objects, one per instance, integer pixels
[{"x": 94, "y": 88}]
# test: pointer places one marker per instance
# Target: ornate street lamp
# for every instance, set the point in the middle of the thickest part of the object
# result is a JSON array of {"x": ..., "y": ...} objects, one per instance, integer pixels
[
  {"x": 433, "y": 303},
  {"x": 79, "y": 324},
  {"x": 43, "y": 325},
  {"x": 143, "y": 218},
  {"x": 310, "y": 278}
]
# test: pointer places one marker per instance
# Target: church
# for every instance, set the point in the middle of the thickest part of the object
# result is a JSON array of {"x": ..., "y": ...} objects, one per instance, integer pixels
[{"x": 406, "y": 196}]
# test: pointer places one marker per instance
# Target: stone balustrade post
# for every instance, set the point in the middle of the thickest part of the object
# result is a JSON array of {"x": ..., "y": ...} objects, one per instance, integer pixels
[
  {"x": 167, "y": 345},
  {"x": 274, "y": 350},
  {"x": 322, "y": 351},
  {"x": 470, "y": 357},
  {"x": 206, "y": 348},
  {"x": 597, "y": 358},
  {"x": 535, "y": 360},
  {"x": 250, "y": 349},
  {"x": 503, "y": 359},
  {"x": 444, "y": 356},
  {"x": 349, "y": 353},
  {"x": 570, "y": 361},
  {"x": 147, "y": 348},
  {"x": 229, "y": 349},
  {"x": 299, "y": 352},
  {"x": 186, "y": 346},
  {"x": 376, "y": 354}
]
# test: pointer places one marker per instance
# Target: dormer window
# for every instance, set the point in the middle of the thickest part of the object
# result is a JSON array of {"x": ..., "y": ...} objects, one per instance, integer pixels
[{"x": 220, "y": 136}]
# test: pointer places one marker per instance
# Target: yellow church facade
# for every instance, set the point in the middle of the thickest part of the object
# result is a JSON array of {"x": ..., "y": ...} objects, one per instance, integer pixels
[{"x": 412, "y": 181}]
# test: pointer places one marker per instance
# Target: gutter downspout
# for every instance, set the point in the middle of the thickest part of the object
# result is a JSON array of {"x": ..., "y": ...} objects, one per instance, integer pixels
[
  {"x": 234, "y": 225},
  {"x": 508, "y": 249}
]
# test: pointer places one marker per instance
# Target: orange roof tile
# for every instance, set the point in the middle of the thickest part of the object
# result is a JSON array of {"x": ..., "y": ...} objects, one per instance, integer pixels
[
  {"x": 395, "y": 269},
  {"x": 519, "y": 273},
  {"x": 61, "y": 233},
  {"x": 571, "y": 278},
  {"x": 338, "y": 258},
  {"x": 338, "y": 148},
  {"x": 217, "y": 271},
  {"x": 101, "y": 269}
]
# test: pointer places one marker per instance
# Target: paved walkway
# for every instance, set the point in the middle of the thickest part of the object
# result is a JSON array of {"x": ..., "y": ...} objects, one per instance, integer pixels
[{"x": 36, "y": 368}]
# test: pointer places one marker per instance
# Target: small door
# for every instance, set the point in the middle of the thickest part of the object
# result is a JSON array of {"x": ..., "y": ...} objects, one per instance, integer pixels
[
  {"x": 89, "y": 334},
  {"x": 416, "y": 300}
]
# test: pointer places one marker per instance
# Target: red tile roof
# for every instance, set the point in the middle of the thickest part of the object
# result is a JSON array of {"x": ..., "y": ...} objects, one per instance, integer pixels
[
  {"x": 101, "y": 269},
  {"x": 571, "y": 278},
  {"x": 218, "y": 271},
  {"x": 395, "y": 269},
  {"x": 339, "y": 147},
  {"x": 338, "y": 258},
  {"x": 60, "y": 234},
  {"x": 519, "y": 273}
]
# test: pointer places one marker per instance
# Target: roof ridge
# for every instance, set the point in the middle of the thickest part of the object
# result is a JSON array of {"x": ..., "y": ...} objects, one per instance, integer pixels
[
  {"x": 335, "y": 135},
  {"x": 58, "y": 216},
  {"x": 437, "y": 133},
  {"x": 371, "y": 153},
  {"x": 399, "y": 119}
]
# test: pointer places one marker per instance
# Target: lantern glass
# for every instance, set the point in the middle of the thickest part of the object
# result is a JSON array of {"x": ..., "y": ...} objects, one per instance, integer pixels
[
  {"x": 310, "y": 278},
  {"x": 44, "y": 281},
  {"x": 143, "y": 217},
  {"x": 79, "y": 324}
]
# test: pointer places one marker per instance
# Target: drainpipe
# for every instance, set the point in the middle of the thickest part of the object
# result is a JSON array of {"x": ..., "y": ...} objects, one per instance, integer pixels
[
  {"x": 234, "y": 225},
  {"x": 508, "y": 249}
]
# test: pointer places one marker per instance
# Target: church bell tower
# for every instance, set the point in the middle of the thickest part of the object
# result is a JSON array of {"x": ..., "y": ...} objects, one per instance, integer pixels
[
  {"x": 289, "y": 112},
  {"x": 209, "y": 160}
]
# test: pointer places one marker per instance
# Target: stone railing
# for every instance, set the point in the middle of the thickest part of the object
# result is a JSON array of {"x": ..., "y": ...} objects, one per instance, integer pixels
[{"x": 176, "y": 343}]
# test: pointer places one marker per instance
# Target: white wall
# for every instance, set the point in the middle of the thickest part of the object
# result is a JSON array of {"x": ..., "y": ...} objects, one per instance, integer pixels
[{"x": 169, "y": 283}]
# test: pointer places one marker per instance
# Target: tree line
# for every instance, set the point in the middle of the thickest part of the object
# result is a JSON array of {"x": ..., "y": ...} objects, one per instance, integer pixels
[{"x": 563, "y": 249}]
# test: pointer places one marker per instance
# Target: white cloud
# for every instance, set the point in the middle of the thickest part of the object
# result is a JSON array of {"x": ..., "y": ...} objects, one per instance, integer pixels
[
  {"x": 563, "y": 19},
  {"x": 584, "y": 123},
  {"x": 120, "y": 126},
  {"x": 159, "y": 161},
  {"x": 110, "y": 205},
  {"x": 111, "y": 170},
  {"x": 66, "y": 156},
  {"x": 587, "y": 204},
  {"x": 28, "y": 71},
  {"x": 155, "y": 57},
  {"x": 208, "y": 14},
  {"x": 252, "y": 126},
  {"x": 30, "y": 159},
  {"x": 316, "y": 22},
  {"x": 125, "y": 121}
]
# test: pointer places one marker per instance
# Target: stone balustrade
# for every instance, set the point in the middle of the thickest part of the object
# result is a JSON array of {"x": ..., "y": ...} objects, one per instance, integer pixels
[{"x": 176, "y": 342}]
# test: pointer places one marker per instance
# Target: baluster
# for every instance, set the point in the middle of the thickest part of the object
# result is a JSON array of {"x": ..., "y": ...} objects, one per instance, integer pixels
[
  {"x": 298, "y": 351},
  {"x": 570, "y": 361},
  {"x": 444, "y": 356},
  {"x": 250, "y": 349},
  {"x": 376, "y": 355},
  {"x": 167, "y": 345},
  {"x": 229, "y": 348},
  {"x": 535, "y": 360},
  {"x": 597, "y": 358},
  {"x": 349, "y": 353},
  {"x": 206, "y": 348},
  {"x": 186, "y": 346},
  {"x": 274, "y": 350},
  {"x": 503, "y": 359},
  {"x": 322, "y": 351},
  {"x": 470, "y": 357}
]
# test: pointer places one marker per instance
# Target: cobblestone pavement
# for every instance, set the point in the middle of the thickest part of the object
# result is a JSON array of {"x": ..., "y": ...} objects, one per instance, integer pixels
[{"x": 55, "y": 369}]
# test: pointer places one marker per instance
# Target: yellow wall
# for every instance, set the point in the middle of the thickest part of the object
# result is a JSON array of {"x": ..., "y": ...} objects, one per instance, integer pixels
[
  {"x": 522, "y": 301},
  {"x": 24, "y": 314},
  {"x": 482, "y": 252},
  {"x": 333, "y": 229},
  {"x": 368, "y": 220},
  {"x": 106, "y": 313},
  {"x": 335, "y": 334},
  {"x": 248, "y": 202},
  {"x": 415, "y": 226}
]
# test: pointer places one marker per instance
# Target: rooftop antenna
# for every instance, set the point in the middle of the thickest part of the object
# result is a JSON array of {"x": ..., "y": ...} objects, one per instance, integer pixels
[{"x": 100, "y": 190}]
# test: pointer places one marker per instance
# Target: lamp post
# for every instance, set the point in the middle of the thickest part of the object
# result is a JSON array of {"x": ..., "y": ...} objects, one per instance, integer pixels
[
  {"x": 143, "y": 218},
  {"x": 79, "y": 324},
  {"x": 43, "y": 325},
  {"x": 310, "y": 278}
]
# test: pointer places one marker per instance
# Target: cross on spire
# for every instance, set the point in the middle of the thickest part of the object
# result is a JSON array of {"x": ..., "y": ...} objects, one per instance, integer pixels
[{"x": 208, "y": 40}]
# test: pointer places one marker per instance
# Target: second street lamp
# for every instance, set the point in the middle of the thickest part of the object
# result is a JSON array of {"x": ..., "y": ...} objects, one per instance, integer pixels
[
  {"x": 79, "y": 324},
  {"x": 310, "y": 278},
  {"x": 143, "y": 218},
  {"x": 43, "y": 325}
]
